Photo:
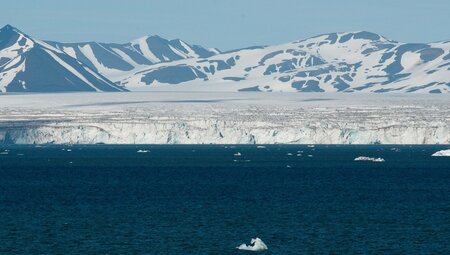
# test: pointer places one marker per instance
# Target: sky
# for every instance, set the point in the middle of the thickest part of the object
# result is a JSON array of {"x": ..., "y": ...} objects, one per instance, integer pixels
[{"x": 226, "y": 24}]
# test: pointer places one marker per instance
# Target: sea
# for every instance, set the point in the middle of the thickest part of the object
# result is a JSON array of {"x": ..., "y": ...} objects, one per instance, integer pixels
[{"x": 209, "y": 199}]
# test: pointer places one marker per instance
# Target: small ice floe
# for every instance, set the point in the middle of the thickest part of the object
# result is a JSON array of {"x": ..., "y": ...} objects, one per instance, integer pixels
[
  {"x": 260, "y": 147},
  {"x": 442, "y": 153},
  {"x": 362, "y": 158},
  {"x": 69, "y": 150},
  {"x": 238, "y": 154},
  {"x": 20, "y": 154},
  {"x": 311, "y": 146},
  {"x": 143, "y": 151},
  {"x": 288, "y": 166},
  {"x": 256, "y": 244},
  {"x": 289, "y": 154},
  {"x": 395, "y": 149},
  {"x": 4, "y": 153},
  {"x": 310, "y": 156}
]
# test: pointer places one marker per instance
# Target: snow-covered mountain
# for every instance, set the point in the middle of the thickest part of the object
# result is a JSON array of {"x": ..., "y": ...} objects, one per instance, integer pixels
[
  {"x": 337, "y": 62},
  {"x": 30, "y": 65},
  {"x": 113, "y": 60}
]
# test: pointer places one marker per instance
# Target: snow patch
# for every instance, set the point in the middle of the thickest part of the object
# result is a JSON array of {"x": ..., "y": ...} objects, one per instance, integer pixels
[{"x": 71, "y": 69}]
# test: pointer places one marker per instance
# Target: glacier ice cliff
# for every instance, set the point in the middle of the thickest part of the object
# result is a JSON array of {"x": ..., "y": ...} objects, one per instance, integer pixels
[{"x": 225, "y": 119}]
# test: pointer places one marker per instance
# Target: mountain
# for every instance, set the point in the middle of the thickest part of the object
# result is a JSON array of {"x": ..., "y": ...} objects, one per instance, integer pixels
[
  {"x": 29, "y": 65},
  {"x": 336, "y": 62},
  {"x": 112, "y": 60}
]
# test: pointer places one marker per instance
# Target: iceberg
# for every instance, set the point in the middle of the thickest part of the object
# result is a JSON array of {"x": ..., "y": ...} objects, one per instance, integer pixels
[
  {"x": 143, "y": 151},
  {"x": 256, "y": 244},
  {"x": 363, "y": 158},
  {"x": 442, "y": 153}
]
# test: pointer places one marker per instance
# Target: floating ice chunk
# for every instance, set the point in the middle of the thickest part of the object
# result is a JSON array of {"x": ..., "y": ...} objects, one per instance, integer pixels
[
  {"x": 442, "y": 153},
  {"x": 363, "y": 158},
  {"x": 260, "y": 147},
  {"x": 311, "y": 146},
  {"x": 289, "y": 154},
  {"x": 256, "y": 244},
  {"x": 238, "y": 154},
  {"x": 143, "y": 151},
  {"x": 4, "y": 153}
]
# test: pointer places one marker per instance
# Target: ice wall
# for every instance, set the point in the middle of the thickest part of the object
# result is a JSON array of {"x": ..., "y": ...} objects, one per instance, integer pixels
[{"x": 223, "y": 132}]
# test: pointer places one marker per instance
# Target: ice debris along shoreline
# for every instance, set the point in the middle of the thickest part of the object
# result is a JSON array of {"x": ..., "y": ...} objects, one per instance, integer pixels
[
  {"x": 442, "y": 153},
  {"x": 256, "y": 244},
  {"x": 363, "y": 158}
]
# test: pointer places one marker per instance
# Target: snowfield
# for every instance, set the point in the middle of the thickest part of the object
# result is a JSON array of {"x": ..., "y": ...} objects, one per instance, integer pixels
[{"x": 173, "y": 117}]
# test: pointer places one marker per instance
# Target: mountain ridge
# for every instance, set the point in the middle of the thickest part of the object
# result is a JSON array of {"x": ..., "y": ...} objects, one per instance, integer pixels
[
  {"x": 359, "y": 61},
  {"x": 30, "y": 65}
]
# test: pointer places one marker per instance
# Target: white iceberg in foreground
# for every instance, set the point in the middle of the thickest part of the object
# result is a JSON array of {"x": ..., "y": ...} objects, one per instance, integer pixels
[
  {"x": 362, "y": 158},
  {"x": 256, "y": 244},
  {"x": 442, "y": 153}
]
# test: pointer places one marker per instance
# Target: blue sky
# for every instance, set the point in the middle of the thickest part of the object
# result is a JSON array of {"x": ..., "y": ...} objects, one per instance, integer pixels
[{"x": 227, "y": 24}]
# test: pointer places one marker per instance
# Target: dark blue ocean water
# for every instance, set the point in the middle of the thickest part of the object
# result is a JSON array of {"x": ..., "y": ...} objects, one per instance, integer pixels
[{"x": 206, "y": 200}]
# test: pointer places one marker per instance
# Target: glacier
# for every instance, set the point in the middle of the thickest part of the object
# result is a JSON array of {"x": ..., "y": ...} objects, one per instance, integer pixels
[{"x": 224, "y": 118}]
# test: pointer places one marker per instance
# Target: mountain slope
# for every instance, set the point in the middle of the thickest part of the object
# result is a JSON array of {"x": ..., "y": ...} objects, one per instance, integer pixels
[
  {"x": 112, "y": 60},
  {"x": 29, "y": 65},
  {"x": 337, "y": 62}
]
